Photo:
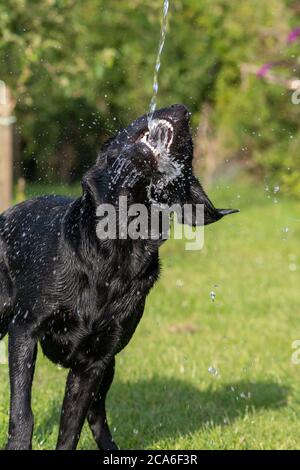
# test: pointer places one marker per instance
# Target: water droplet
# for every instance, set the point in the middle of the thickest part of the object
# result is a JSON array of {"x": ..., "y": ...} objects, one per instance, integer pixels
[{"x": 213, "y": 371}]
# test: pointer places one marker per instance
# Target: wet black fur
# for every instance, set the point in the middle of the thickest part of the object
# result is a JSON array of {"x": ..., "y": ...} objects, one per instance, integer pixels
[{"x": 79, "y": 297}]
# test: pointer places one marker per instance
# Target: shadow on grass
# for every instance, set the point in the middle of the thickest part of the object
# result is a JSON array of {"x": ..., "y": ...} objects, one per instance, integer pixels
[
  {"x": 164, "y": 408},
  {"x": 148, "y": 411}
]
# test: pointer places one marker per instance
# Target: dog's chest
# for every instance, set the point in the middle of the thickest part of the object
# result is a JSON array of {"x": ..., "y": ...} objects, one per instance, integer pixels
[
  {"x": 77, "y": 339},
  {"x": 98, "y": 321}
]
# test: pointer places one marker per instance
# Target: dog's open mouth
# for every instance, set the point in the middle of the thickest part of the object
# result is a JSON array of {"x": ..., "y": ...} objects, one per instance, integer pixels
[{"x": 159, "y": 137}]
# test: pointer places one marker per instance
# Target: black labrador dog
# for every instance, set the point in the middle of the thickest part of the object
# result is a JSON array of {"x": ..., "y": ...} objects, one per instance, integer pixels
[{"x": 82, "y": 297}]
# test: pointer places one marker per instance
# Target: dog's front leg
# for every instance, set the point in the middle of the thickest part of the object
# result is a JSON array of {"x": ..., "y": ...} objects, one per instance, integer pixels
[
  {"x": 22, "y": 356},
  {"x": 97, "y": 414},
  {"x": 80, "y": 390}
]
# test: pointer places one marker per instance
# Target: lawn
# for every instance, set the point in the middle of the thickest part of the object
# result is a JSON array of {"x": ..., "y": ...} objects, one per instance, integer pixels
[{"x": 203, "y": 374}]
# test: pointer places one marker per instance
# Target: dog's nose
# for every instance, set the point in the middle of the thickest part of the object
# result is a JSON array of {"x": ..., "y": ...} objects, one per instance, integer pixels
[{"x": 180, "y": 111}]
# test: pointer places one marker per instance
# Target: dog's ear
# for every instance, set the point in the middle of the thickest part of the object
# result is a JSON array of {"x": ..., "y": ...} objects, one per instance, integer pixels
[
  {"x": 92, "y": 183},
  {"x": 197, "y": 196}
]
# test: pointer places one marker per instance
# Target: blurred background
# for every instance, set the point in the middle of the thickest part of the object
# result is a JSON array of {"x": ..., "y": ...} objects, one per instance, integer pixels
[
  {"x": 78, "y": 71},
  {"x": 214, "y": 363}
]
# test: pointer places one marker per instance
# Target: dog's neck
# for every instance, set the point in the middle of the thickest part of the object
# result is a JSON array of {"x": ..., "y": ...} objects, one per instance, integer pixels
[{"x": 101, "y": 187}]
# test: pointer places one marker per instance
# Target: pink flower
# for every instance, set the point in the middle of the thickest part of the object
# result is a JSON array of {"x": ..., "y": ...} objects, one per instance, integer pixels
[
  {"x": 294, "y": 35},
  {"x": 264, "y": 69}
]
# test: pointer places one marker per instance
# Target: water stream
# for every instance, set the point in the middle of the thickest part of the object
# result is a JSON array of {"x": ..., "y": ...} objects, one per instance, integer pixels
[{"x": 163, "y": 33}]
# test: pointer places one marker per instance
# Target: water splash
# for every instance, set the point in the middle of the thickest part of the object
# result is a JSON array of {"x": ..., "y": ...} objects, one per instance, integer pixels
[{"x": 163, "y": 33}]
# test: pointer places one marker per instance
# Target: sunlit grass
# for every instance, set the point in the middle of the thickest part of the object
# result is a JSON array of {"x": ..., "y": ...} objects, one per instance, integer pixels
[{"x": 164, "y": 396}]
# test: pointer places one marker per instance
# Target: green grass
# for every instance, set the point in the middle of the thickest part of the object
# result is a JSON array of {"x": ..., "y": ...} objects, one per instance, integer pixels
[{"x": 163, "y": 396}]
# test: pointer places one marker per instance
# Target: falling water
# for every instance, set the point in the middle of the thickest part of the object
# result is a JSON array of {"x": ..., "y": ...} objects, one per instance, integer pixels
[
  {"x": 166, "y": 165},
  {"x": 163, "y": 33}
]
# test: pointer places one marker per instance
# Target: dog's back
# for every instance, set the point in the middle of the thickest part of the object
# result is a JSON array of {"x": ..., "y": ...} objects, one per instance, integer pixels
[{"x": 23, "y": 228}]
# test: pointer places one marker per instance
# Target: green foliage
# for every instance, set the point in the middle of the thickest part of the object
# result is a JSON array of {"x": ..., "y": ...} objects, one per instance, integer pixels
[{"x": 80, "y": 70}]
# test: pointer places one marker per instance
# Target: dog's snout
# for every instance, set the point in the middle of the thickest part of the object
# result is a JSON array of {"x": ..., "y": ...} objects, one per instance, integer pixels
[
  {"x": 175, "y": 113},
  {"x": 180, "y": 111}
]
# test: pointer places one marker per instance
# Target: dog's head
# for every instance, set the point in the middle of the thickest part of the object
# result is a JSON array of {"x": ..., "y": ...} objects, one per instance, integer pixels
[{"x": 152, "y": 158}]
